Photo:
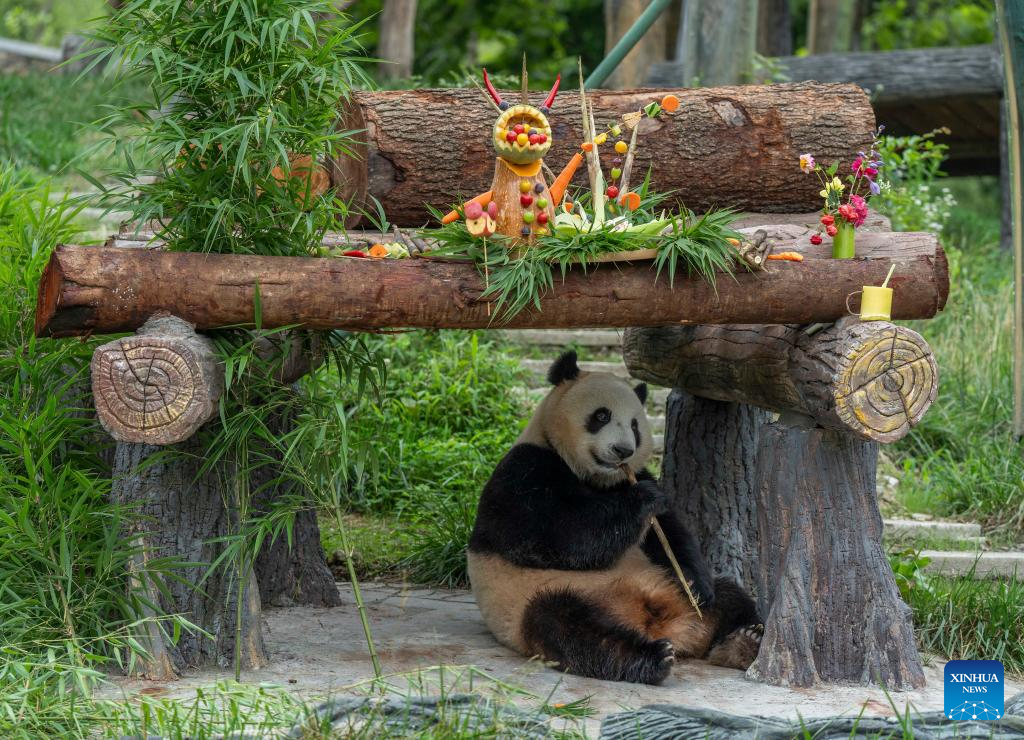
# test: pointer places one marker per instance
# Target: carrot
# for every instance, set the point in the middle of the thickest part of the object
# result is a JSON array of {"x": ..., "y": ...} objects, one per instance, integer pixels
[
  {"x": 483, "y": 199},
  {"x": 670, "y": 103},
  {"x": 791, "y": 256},
  {"x": 630, "y": 201},
  {"x": 379, "y": 251},
  {"x": 561, "y": 182},
  {"x": 587, "y": 146}
]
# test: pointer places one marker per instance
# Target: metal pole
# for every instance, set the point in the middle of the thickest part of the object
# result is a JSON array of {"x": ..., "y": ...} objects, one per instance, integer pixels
[
  {"x": 1010, "y": 15},
  {"x": 626, "y": 43}
]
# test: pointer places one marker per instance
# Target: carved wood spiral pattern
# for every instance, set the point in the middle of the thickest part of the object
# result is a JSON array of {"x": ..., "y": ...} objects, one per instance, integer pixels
[
  {"x": 153, "y": 389},
  {"x": 885, "y": 383}
]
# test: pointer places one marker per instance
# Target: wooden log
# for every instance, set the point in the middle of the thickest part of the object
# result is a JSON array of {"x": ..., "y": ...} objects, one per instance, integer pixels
[
  {"x": 180, "y": 514},
  {"x": 158, "y": 386},
  {"x": 872, "y": 379},
  {"x": 832, "y": 610},
  {"x": 102, "y": 290},
  {"x": 791, "y": 513},
  {"x": 731, "y": 146}
]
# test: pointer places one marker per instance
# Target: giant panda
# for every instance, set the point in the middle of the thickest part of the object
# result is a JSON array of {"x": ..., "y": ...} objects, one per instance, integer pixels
[{"x": 561, "y": 560}]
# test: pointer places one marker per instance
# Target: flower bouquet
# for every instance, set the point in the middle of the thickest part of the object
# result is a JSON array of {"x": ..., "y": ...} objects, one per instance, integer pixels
[{"x": 845, "y": 208}]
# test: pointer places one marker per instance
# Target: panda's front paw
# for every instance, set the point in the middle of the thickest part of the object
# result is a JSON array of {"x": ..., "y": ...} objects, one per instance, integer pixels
[
  {"x": 703, "y": 587},
  {"x": 653, "y": 500}
]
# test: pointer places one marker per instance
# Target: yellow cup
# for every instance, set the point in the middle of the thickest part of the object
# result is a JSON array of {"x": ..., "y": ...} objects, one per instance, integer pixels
[{"x": 875, "y": 303}]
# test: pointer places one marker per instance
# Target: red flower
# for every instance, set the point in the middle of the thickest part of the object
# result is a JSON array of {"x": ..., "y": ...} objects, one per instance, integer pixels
[
  {"x": 848, "y": 212},
  {"x": 815, "y": 238},
  {"x": 831, "y": 230},
  {"x": 827, "y": 219}
]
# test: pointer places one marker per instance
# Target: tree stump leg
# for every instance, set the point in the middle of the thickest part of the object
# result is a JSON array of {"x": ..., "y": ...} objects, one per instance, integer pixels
[
  {"x": 178, "y": 514},
  {"x": 835, "y": 612},
  {"x": 791, "y": 514},
  {"x": 296, "y": 572},
  {"x": 710, "y": 451}
]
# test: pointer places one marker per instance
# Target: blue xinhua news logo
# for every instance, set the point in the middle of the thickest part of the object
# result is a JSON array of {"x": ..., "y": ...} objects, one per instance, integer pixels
[{"x": 974, "y": 689}]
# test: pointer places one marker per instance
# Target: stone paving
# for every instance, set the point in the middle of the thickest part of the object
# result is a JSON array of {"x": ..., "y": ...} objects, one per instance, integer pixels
[{"x": 321, "y": 651}]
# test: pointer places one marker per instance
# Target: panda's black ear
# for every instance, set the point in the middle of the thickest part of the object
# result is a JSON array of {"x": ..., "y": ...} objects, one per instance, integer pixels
[
  {"x": 641, "y": 392},
  {"x": 564, "y": 368}
]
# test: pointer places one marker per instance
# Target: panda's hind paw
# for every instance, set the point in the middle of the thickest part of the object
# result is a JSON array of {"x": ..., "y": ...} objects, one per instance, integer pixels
[{"x": 739, "y": 648}]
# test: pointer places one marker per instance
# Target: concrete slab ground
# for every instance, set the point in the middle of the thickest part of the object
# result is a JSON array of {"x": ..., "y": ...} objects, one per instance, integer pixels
[{"x": 316, "y": 652}]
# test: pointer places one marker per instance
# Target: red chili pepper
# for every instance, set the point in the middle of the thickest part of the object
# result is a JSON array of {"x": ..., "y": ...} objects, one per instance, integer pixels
[{"x": 353, "y": 253}]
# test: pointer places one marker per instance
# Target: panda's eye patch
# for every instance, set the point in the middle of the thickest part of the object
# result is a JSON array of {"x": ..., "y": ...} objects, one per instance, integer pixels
[{"x": 598, "y": 419}]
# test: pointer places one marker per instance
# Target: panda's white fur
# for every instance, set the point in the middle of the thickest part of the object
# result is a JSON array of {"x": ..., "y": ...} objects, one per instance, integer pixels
[{"x": 558, "y": 419}]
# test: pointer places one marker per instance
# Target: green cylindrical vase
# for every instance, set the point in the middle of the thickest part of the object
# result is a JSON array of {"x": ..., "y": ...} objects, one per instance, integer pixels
[{"x": 843, "y": 247}]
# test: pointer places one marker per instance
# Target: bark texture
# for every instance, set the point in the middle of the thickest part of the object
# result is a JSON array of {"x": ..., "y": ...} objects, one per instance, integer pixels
[
  {"x": 179, "y": 514},
  {"x": 619, "y": 16},
  {"x": 872, "y": 379},
  {"x": 103, "y": 290},
  {"x": 396, "y": 44},
  {"x": 730, "y": 146},
  {"x": 158, "y": 386},
  {"x": 709, "y": 467},
  {"x": 716, "y": 43},
  {"x": 291, "y": 570},
  {"x": 791, "y": 513},
  {"x": 832, "y": 610}
]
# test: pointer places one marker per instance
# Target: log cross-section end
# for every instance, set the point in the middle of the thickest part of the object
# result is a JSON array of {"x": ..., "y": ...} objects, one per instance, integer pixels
[
  {"x": 157, "y": 387},
  {"x": 885, "y": 378}
]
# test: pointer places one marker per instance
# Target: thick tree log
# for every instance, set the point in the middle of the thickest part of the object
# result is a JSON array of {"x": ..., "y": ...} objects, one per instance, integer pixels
[
  {"x": 729, "y": 146},
  {"x": 873, "y": 379},
  {"x": 791, "y": 514},
  {"x": 101, "y": 290},
  {"x": 833, "y": 610},
  {"x": 179, "y": 516},
  {"x": 158, "y": 386}
]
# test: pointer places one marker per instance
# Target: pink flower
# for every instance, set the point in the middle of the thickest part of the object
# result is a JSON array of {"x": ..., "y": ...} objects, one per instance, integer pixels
[
  {"x": 864, "y": 169},
  {"x": 807, "y": 163},
  {"x": 848, "y": 212},
  {"x": 815, "y": 238},
  {"x": 828, "y": 219},
  {"x": 831, "y": 230},
  {"x": 860, "y": 206}
]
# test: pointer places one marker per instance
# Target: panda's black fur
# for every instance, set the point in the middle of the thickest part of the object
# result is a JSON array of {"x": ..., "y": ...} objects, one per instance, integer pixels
[{"x": 563, "y": 563}]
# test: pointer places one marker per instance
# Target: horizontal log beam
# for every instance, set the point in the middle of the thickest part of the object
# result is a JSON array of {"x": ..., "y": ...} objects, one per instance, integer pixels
[
  {"x": 872, "y": 379},
  {"x": 98, "y": 290},
  {"x": 725, "y": 146}
]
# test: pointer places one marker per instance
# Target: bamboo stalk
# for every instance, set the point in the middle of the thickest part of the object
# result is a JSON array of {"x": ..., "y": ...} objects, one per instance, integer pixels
[{"x": 631, "y": 477}]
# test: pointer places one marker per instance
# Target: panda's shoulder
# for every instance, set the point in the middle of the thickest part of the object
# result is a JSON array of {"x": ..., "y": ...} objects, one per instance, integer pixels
[{"x": 527, "y": 464}]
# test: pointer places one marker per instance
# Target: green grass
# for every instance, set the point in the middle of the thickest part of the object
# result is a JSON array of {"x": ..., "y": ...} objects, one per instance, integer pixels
[
  {"x": 963, "y": 618},
  {"x": 452, "y": 411},
  {"x": 44, "y": 123}
]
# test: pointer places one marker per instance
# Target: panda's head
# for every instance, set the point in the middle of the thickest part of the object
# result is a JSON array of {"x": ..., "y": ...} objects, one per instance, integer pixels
[{"x": 595, "y": 422}]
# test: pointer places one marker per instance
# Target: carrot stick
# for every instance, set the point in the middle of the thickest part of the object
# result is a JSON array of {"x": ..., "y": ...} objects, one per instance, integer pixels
[
  {"x": 483, "y": 199},
  {"x": 560, "y": 183}
]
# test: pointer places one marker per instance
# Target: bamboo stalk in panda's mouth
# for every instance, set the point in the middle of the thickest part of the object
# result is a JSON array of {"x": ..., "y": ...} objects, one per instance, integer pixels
[{"x": 631, "y": 477}]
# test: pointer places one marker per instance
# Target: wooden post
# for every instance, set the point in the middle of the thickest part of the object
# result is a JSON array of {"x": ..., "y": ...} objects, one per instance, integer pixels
[
  {"x": 1011, "y": 42},
  {"x": 774, "y": 32},
  {"x": 396, "y": 44},
  {"x": 152, "y": 391},
  {"x": 619, "y": 16},
  {"x": 830, "y": 25},
  {"x": 785, "y": 501},
  {"x": 716, "y": 42}
]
